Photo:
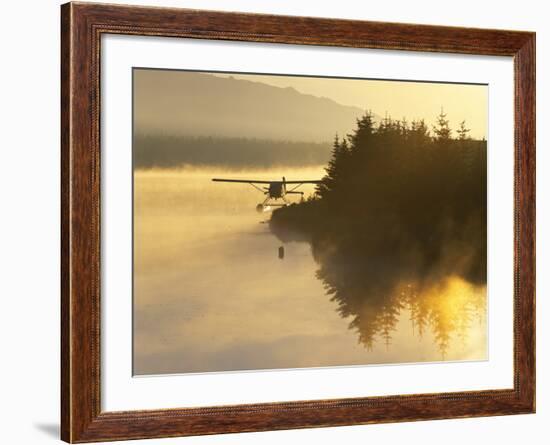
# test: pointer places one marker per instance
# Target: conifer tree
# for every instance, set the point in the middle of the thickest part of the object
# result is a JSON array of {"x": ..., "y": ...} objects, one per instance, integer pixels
[
  {"x": 365, "y": 128},
  {"x": 463, "y": 132},
  {"x": 332, "y": 170},
  {"x": 404, "y": 127},
  {"x": 442, "y": 130}
]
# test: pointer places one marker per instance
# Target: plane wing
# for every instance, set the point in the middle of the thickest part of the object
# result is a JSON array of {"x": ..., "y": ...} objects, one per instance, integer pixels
[
  {"x": 243, "y": 181},
  {"x": 255, "y": 181}
]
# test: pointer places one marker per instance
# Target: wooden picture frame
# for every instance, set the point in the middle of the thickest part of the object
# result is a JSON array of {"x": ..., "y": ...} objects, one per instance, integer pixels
[{"x": 82, "y": 25}]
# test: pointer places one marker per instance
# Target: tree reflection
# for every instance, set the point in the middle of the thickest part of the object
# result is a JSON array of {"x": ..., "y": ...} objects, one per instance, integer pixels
[{"x": 447, "y": 308}]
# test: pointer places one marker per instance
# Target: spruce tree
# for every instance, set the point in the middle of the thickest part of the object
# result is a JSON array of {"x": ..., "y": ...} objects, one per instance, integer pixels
[
  {"x": 332, "y": 170},
  {"x": 442, "y": 130},
  {"x": 463, "y": 132}
]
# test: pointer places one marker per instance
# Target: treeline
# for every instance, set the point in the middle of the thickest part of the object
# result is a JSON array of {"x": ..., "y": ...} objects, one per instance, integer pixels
[
  {"x": 398, "y": 204},
  {"x": 175, "y": 151}
]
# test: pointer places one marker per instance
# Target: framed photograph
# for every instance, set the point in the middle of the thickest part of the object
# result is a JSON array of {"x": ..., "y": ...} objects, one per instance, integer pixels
[{"x": 274, "y": 222}]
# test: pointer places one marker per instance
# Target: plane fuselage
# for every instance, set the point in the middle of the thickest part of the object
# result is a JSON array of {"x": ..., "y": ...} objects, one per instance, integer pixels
[{"x": 276, "y": 190}]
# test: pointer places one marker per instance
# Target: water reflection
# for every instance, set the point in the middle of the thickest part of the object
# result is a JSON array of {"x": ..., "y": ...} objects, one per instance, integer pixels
[
  {"x": 212, "y": 294},
  {"x": 448, "y": 309}
]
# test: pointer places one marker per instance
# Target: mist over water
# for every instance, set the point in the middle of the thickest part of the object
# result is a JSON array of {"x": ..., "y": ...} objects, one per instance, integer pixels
[{"x": 212, "y": 294}]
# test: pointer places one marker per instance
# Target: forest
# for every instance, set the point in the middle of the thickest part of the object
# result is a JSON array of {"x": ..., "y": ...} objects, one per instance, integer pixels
[
  {"x": 402, "y": 208},
  {"x": 166, "y": 151}
]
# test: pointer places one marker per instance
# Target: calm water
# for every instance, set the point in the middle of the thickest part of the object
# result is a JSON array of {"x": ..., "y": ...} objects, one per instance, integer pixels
[{"x": 212, "y": 294}]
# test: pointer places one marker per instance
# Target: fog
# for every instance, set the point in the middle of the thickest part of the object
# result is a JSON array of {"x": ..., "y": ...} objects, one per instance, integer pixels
[{"x": 211, "y": 294}]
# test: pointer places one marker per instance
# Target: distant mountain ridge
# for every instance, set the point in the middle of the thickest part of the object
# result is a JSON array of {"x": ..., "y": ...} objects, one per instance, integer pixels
[{"x": 195, "y": 104}]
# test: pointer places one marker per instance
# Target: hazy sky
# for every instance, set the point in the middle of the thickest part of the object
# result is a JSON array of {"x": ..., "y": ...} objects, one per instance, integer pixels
[{"x": 413, "y": 100}]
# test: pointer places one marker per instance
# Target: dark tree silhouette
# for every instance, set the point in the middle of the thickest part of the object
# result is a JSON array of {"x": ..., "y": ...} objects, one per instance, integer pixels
[
  {"x": 463, "y": 132},
  {"x": 398, "y": 212},
  {"x": 442, "y": 130},
  {"x": 175, "y": 151}
]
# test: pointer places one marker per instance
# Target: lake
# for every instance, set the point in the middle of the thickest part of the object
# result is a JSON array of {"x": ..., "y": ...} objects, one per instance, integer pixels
[{"x": 212, "y": 294}]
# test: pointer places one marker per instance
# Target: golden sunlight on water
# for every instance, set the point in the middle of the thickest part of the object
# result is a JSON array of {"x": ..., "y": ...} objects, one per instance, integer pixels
[{"x": 212, "y": 294}]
